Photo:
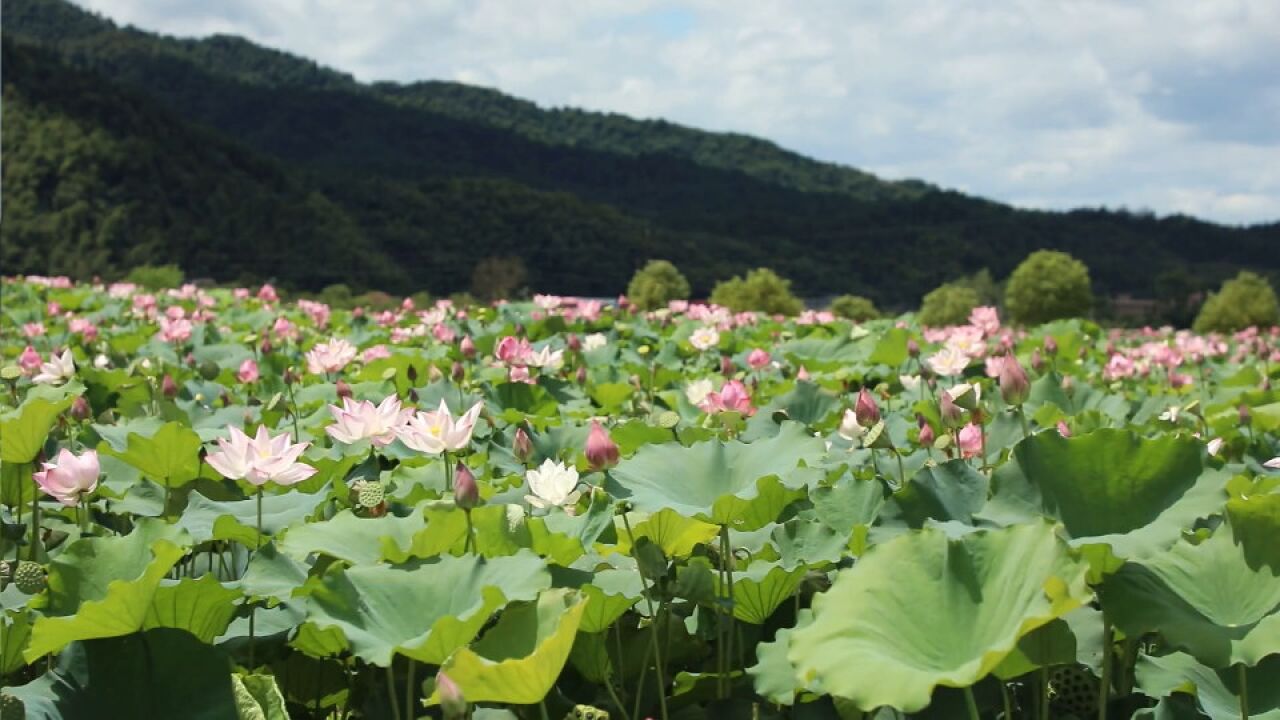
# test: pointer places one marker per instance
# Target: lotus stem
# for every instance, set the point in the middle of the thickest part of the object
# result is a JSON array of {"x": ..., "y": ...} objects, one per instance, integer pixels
[
  {"x": 448, "y": 473},
  {"x": 653, "y": 623},
  {"x": 391, "y": 689},
  {"x": 971, "y": 703},
  {"x": 408, "y": 688},
  {"x": 1044, "y": 693},
  {"x": 470, "y": 543},
  {"x": 726, "y": 559},
  {"x": 253, "y": 607},
  {"x": 902, "y": 472},
  {"x": 1244, "y": 691},
  {"x": 293, "y": 410},
  {"x": 617, "y": 702},
  {"x": 35, "y": 521},
  {"x": 1104, "y": 686},
  {"x": 1022, "y": 416},
  {"x": 1006, "y": 700}
]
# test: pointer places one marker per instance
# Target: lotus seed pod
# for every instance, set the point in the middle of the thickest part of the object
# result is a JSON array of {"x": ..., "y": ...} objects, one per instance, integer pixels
[
  {"x": 370, "y": 493},
  {"x": 30, "y": 577}
]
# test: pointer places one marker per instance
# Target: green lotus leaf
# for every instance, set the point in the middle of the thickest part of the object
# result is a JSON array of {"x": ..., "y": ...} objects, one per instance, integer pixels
[
  {"x": 590, "y": 657},
  {"x": 950, "y": 491},
  {"x": 934, "y": 611},
  {"x": 237, "y": 520},
  {"x": 1204, "y": 599},
  {"x": 520, "y": 658},
  {"x": 201, "y": 606},
  {"x": 1217, "y": 692},
  {"x": 15, "y": 633},
  {"x": 272, "y": 574},
  {"x": 23, "y": 430},
  {"x": 346, "y": 536},
  {"x": 808, "y": 404},
  {"x": 848, "y": 503},
  {"x": 86, "y": 569},
  {"x": 1109, "y": 487},
  {"x": 773, "y": 675},
  {"x": 1255, "y": 520},
  {"x": 803, "y": 542},
  {"x": 634, "y": 434},
  {"x": 171, "y": 456},
  {"x": 760, "y": 589},
  {"x": 734, "y": 483},
  {"x": 423, "y": 610},
  {"x": 160, "y": 673},
  {"x": 258, "y": 698},
  {"x": 675, "y": 534}
]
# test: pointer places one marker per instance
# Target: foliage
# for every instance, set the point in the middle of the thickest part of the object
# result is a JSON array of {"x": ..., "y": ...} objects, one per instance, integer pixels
[
  {"x": 762, "y": 290},
  {"x": 948, "y": 304},
  {"x": 156, "y": 277},
  {"x": 854, "y": 307},
  {"x": 656, "y": 284},
  {"x": 1244, "y": 301},
  {"x": 1048, "y": 285},
  {"x": 498, "y": 278}
]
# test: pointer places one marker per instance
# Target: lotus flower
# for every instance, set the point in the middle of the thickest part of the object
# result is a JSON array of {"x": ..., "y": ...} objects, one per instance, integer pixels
[
  {"x": 849, "y": 428},
  {"x": 757, "y": 359},
  {"x": 547, "y": 359},
  {"x": 357, "y": 420},
  {"x": 698, "y": 390},
  {"x": 594, "y": 341},
  {"x": 30, "y": 361},
  {"x": 553, "y": 485},
  {"x": 248, "y": 371},
  {"x": 58, "y": 370},
  {"x": 733, "y": 397},
  {"x": 437, "y": 431},
  {"x": 260, "y": 459},
  {"x": 1273, "y": 463},
  {"x": 948, "y": 361},
  {"x": 69, "y": 476},
  {"x": 602, "y": 451},
  {"x": 330, "y": 357},
  {"x": 970, "y": 440},
  {"x": 704, "y": 338},
  {"x": 521, "y": 445},
  {"x": 866, "y": 410}
]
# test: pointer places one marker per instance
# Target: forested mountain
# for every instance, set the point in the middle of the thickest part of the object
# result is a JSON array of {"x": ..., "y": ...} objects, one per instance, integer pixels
[{"x": 242, "y": 163}]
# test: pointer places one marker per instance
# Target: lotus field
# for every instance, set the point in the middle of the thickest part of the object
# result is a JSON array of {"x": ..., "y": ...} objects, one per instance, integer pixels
[{"x": 221, "y": 504}]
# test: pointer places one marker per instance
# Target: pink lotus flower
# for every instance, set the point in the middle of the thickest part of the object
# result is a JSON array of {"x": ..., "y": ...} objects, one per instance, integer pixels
[
  {"x": 970, "y": 440},
  {"x": 437, "y": 431},
  {"x": 733, "y": 397},
  {"x": 33, "y": 329},
  {"x": 69, "y": 477},
  {"x": 520, "y": 374},
  {"x": 284, "y": 328},
  {"x": 260, "y": 459},
  {"x": 1063, "y": 430},
  {"x": 513, "y": 351},
  {"x": 30, "y": 361},
  {"x": 377, "y": 352},
  {"x": 175, "y": 331},
  {"x": 602, "y": 451},
  {"x": 757, "y": 359},
  {"x": 83, "y": 327},
  {"x": 248, "y": 372},
  {"x": 330, "y": 357},
  {"x": 358, "y": 420},
  {"x": 986, "y": 319},
  {"x": 267, "y": 293}
]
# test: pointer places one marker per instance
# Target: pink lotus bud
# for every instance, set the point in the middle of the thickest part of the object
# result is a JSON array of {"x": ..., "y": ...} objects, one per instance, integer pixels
[
  {"x": 970, "y": 440},
  {"x": 1014, "y": 385},
  {"x": 865, "y": 409},
  {"x": 726, "y": 365},
  {"x": 168, "y": 387},
  {"x": 29, "y": 361},
  {"x": 69, "y": 476},
  {"x": 757, "y": 359},
  {"x": 458, "y": 371},
  {"x": 926, "y": 432},
  {"x": 466, "y": 494},
  {"x": 80, "y": 410},
  {"x": 802, "y": 373},
  {"x": 467, "y": 347},
  {"x": 1037, "y": 362},
  {"x": 452, "y": 703},
  {"x": 575, "y": 343},
  {"x": 290, "y": 376},
  {"x": 248, "y": 372},
  {"x": 267, "y": 347},
  {"x": 602, "y": 451},
  {"x": 1050, "y": 346},
  {"x": 1063, "y": 430},
  {"x": 581, "y": 375},
  {"x": 951, "y": 413},
  {"x": 521, "y": 445},
  {"x": 343, "y": 389},
  {"x": 913, "y": 348}
]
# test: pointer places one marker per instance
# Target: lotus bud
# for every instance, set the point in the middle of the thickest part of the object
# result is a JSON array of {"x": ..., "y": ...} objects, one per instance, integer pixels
[
  {"x": 467, "y": 347},
  {"x": 267, "y": 347},
  {"x": 602, "y": 451},
  {"x": 926, "y": 432},
  {"x": 458, "y": 371},
  {"x": 344, "y": 390},
  {"x": 726, "y": 365},
  {"x": 290, "y": 376},
  {"x": 913, "y": 348},
  {"x": 80, "y": 410},
  {"x": 802, "y": 373},
  {"x": 581, "y": 375},
  {"x": 411, "y": 372},
  {"x": 413, "y": 396},
  {"x": 434, "y": 374},
  {"x": 1014, "y": 386},
  {"x": 452, "y": 703},
  {"x": 190, "y": 360},
  {"x": 522, "y": 446},
  {"x": 466, "y": 494},
  {"x": 168, "y": 386},
  {"x": 575, "y": 343},
  {"x": 1245, "y": 415},
  {"x": 1037, "y": 362},
  {"x": 1063, "y": 430},
  {"x": 1050, "y": 346},
  {"x": 866, "y": 410},
  {"x": 952, "y": 415}
]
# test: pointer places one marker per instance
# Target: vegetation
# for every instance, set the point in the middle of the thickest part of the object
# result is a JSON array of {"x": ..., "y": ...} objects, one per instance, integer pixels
[
  {"x": 1244, "y": 301},
  {"x": 855, "y": 308},
  {"x": 495, "y": 278},
  {"x": 156, "y": 277},
  {"x": 238, "y": 162},
  {"x": 948, "y": 304},
  {"x": 656, "y": 284},
  {"x": 1048, "y": 285},
  {"x": 762, "y": 290}
]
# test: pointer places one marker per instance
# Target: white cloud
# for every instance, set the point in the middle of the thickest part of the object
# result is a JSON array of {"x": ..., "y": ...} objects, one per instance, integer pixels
[{"x": 1172, "y": 105}]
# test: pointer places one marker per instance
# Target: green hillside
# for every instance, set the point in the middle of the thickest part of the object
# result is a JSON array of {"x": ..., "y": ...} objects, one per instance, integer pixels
[{"x": 415, "y": 184}]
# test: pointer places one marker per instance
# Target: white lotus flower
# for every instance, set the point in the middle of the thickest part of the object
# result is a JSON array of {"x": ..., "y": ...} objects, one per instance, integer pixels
[
  {"x": 698, "y": 390},
  {"x": 909, "y": 382},
  {"x": 330, "y": 357},
  {"x": 1273, "y": 463},
  {"x": 357, "y": 420},
  {"x": 553, "y": 484},
  {"x": 547, "y": 359},
  {"x": 58, "y": 370},
  {"x": 594, "y": 341},
  {"x": 705, "y": 338},
  {"x": 948, "y": 361},
  {"x": 1214, "y": 446},
  {"x": 436, "y": 431},
  {"x": 849, "y": 428}
]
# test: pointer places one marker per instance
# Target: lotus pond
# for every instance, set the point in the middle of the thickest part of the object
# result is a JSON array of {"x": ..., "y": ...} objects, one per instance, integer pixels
[{"x": 220, "y": 504}]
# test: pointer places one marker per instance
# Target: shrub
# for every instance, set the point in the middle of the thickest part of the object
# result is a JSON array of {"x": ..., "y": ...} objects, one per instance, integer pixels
[
  {"x": 656, "y": 284},
  {"x": 337, "y": 296},
  {"x": 1246, "y": 300},
  {"x": 156, "y": 277},
  {"x": 948, "y": 304},
  {"x": 497, "y": 278},
  {"x": 855, "y": 308},
  {"x": 1048, "y": 285},
  {"x": 761, "y": 290}
]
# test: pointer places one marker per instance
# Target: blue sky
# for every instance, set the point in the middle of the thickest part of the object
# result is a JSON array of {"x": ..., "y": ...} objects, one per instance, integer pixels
[{"x": 1162, "y": 105}]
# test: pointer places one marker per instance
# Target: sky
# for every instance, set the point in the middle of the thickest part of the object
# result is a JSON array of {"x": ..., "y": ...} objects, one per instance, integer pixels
[{"x": 1169, "y": 106}]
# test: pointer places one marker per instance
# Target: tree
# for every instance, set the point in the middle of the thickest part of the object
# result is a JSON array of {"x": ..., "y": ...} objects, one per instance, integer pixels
[
  {"x": 761, "y": 290},
  {"x": 1246, "y": 300},
  {"x": 854, "y": 307},
  {"x": 656, "y": 284},
  {"x": 1048, "y": 285},
  {"x": 157, "y": 277},
  {"x": 495, "y": 278},
  {"x": 948, "y": 304}
]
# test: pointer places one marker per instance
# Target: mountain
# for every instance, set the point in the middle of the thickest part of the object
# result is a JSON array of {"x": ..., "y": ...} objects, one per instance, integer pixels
[{"x": 241, "y": 163}]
